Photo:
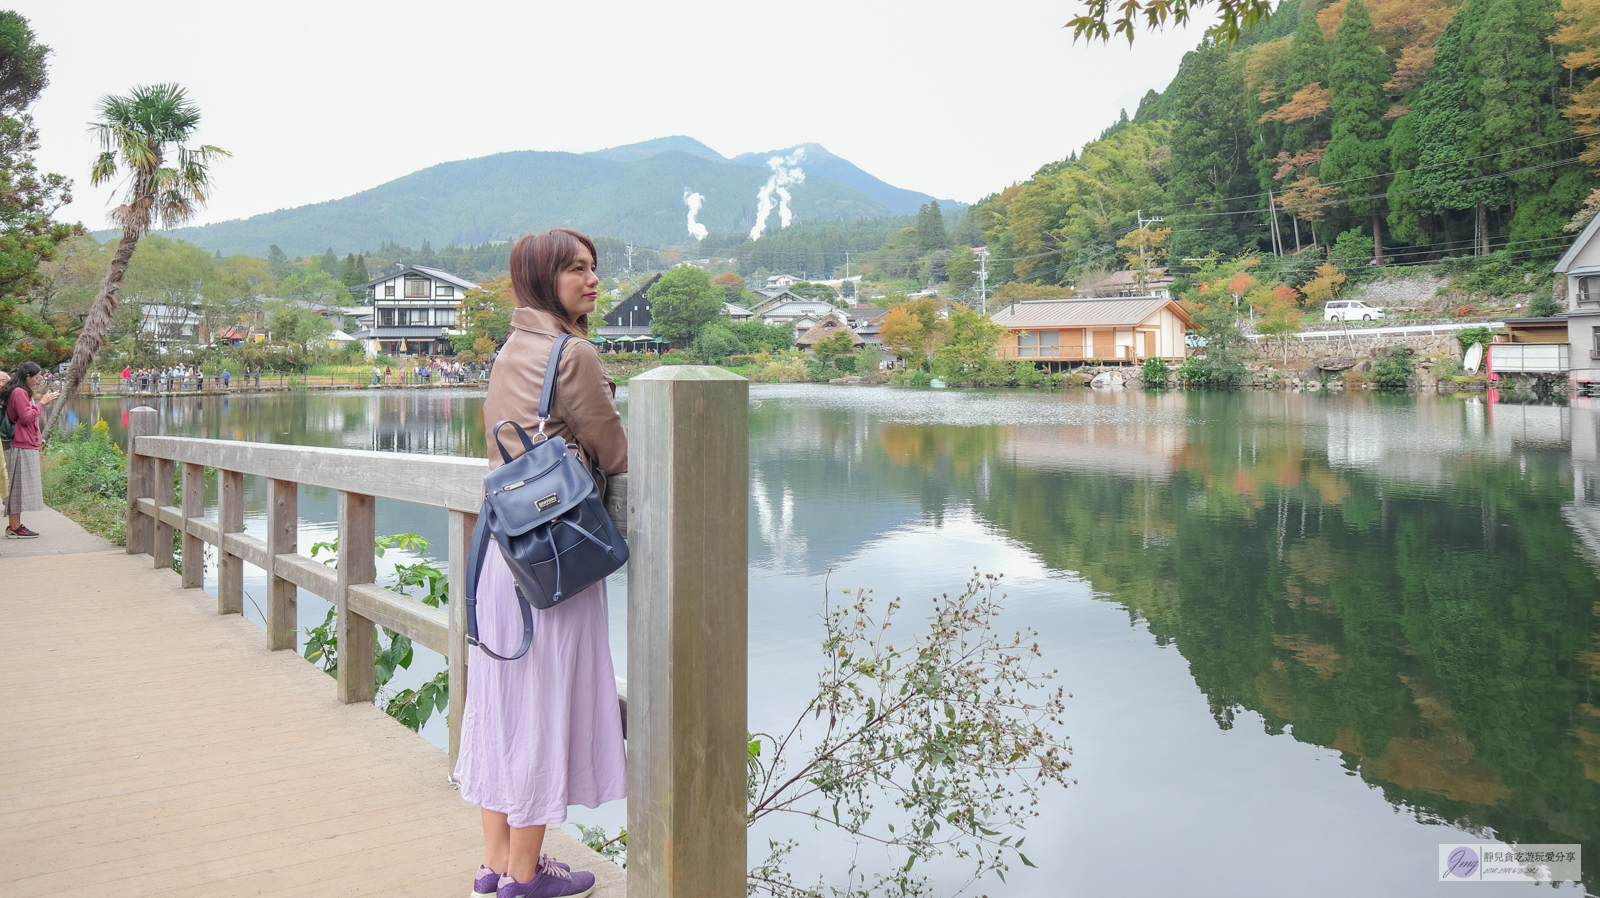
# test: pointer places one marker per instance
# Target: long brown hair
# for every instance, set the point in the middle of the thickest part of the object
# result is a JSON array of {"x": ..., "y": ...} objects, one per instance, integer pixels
[{"x": 537, "y": 262}]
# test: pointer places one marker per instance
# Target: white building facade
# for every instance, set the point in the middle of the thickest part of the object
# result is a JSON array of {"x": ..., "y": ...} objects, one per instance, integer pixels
[{"x": 414, "y": 312}]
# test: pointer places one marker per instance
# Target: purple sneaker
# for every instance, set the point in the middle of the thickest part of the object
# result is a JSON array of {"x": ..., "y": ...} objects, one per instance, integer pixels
[
  {"x": 486, "y": 883},
  {"x": 550, "y": 882}
]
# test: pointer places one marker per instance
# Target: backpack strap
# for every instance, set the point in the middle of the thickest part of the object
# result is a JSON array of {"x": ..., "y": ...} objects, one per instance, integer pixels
[
  {"x": 480, "y": 545},
  {"x": 552, "y": 372}
]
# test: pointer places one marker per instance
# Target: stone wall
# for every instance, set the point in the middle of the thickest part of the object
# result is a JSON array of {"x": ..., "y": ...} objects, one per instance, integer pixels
[
  {"x": 1358, "y": 344},
  {"x": 1410, "y": 292}
]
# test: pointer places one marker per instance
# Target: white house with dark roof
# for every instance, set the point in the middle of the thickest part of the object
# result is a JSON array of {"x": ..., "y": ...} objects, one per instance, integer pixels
[
  {"x": 1580, "y": 266},
  {"x": 414, "y": 311}
]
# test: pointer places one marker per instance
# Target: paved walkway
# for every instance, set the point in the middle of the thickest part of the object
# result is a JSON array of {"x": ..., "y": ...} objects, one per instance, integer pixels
[
  {"x": 150, "y": 747},
  {"x": 61, "y": 536}
]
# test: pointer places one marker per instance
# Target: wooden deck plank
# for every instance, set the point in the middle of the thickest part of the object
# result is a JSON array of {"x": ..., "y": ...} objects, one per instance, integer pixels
[{"x": 157, "y": 748}]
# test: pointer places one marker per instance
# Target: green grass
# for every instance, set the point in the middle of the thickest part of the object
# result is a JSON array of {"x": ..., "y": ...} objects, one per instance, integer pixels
[{"x": 85, "y": 478}]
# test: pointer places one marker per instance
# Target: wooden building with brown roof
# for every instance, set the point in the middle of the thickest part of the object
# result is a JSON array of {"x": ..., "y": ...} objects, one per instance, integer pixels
[{"x": 1119, "y": 330}]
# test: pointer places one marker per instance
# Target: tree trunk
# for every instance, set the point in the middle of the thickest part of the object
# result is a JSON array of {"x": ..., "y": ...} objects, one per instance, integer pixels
[
  {"x": 1483, "y": 229},
  {"x": 1296, "y": 220},
  {"x": 1377, "y": 240},
  {"x": 95, "y": 326}
]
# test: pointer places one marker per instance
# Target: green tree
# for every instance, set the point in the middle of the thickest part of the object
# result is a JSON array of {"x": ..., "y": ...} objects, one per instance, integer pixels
[
  {"x": 354, "y": 273},
  {"x": 277, "y": 261},
  {"x": 1517, "y": 80},
  {"x": 29, "y": 235},
  {"x": 930, "y": 228},
  {"x": 485, "y": 313},
  {"x": 716, "y": 342},
  {"x": 296, "y": 325},
  {"x": 1352, "y": 252},
  {"x": 330, "y": 263},
  {"x": 759, "y": 336},
  {"x": 683, "y": 302},
  {"x": 1235, "y": 18},
  {"x": 962, "y": 266},
  {"x": 1357, "y": 153},
  {"x": 970, "y": 347},
  {"x": 1209, "y": 168},
  {"x": 832, "y": 347},
  {"x": 1447, "y": 126},
  {"x": 146, "y": 132}
]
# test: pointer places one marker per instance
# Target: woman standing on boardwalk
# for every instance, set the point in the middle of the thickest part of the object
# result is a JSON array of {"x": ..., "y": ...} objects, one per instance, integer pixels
[
  {"x": 544, "y": 731},
  {"x": 26, "y": 492}
]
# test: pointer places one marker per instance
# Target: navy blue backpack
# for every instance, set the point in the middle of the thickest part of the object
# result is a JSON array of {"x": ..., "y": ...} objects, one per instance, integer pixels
[{"x": 546, "y": 511}]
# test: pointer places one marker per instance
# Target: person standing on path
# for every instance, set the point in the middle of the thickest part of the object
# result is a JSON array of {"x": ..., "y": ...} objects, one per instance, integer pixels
[
  {"x": 26, "y": 492},
  {"x": 544, "y": 731}
]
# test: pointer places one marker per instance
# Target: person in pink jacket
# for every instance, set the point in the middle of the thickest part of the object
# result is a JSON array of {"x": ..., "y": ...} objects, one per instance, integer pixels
[{"x": 26, "y": 490}]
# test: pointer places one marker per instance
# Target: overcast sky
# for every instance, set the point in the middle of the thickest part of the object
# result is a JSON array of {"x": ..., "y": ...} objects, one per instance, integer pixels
[{"x": 320, "y": 100}]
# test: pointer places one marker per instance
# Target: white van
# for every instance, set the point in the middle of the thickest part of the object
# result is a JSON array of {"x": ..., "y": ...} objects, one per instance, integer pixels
[{"x": 1350, "y": 310}]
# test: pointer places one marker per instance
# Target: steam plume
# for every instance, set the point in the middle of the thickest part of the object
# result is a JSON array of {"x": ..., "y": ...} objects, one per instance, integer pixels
[
  {"x": 693, "y": 201},
  {"x": 785, "y": 170}
]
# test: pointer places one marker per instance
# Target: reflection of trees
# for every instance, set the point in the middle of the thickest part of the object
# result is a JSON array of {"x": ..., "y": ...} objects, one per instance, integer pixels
[{"x": 1443, "y": 637}]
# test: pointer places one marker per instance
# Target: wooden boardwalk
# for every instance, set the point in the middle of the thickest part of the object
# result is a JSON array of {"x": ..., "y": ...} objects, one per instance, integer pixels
[{"x": 152, "y": 747}]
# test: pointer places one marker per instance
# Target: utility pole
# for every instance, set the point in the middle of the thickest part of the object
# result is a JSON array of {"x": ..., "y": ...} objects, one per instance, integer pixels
[
  {"x": 1277, "y": 236},
  {"x": 983, "y": 278},
  {"x": 1144, "y": 268}
]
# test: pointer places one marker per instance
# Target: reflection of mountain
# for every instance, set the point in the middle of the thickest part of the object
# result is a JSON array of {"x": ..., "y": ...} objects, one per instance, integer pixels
[{"x": 1421, "y": 606}]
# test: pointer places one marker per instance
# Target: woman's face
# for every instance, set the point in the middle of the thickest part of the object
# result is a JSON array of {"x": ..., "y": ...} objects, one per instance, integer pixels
[
  {"x": 579, "y": 285},
  {"x": 34, "y": 380}
]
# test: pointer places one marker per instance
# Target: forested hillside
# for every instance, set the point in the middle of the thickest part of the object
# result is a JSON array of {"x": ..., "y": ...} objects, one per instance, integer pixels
[
  {"x": 1430, "y": 128},
  {"x": 636, "y": 193}
]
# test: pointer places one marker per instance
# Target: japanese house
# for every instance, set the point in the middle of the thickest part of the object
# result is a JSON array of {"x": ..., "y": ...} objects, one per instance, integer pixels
[{"x": 1069, "y": 332}]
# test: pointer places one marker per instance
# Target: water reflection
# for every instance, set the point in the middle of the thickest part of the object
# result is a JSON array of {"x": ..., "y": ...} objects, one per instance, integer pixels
[{"x": 1408, "y": 588}]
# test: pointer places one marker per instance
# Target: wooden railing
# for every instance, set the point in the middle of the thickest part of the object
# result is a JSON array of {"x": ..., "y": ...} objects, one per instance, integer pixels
[
  {"x": 359, "y": 477},
  {"x": 687, "y": 590}
]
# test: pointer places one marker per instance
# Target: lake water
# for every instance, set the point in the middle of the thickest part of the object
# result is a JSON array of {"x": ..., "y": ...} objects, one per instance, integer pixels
[{"x": 1309, "y": 639}]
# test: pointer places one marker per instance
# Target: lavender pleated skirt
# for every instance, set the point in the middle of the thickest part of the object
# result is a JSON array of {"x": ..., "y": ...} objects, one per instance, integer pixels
[{"x": 542, "y": 732}]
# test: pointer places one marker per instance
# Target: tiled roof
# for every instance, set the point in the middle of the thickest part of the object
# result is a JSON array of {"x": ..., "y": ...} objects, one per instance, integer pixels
[{"x": 1116, "y": 311}]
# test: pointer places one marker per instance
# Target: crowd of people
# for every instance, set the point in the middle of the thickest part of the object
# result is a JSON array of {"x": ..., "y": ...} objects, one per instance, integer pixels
[
  {"x": 183, "y": 378},
  {"x": 179, "y": 378},
  {"x": 428, "y": 371}
]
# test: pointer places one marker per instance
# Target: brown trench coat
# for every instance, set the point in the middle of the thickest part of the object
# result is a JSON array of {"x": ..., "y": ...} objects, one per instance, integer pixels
[{"x": 585, "y": 409}]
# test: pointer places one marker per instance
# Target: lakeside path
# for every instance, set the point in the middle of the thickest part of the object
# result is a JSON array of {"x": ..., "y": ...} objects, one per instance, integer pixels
[{"x": 155, "y": 748}]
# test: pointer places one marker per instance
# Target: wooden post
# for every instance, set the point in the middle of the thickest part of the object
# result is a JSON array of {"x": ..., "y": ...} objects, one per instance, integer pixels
[
  {"x": 230, "y": 519},
  {"x": 461, "y": 524},
  {"x": 687, "y": 632},
  {"x": 194, "y": 506},
  {"x": 358, "y": 645},
  {"x": 142, "y": 421},
  {"x": 283, "y": 510},
  {"x": 161, "y": 550}
]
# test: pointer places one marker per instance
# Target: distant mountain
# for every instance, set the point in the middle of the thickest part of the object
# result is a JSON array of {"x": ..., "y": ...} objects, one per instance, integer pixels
[
  {"x": 633, "y": 152},
  {"x": 818, "y": 161},
  {"x": 635, "y": 192}
]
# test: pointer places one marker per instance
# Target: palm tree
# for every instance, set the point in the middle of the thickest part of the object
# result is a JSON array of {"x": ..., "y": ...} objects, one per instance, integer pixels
[{"x": 145, "y": 132}]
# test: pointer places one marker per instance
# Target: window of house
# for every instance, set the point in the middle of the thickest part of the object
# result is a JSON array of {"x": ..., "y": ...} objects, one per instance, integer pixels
[
  {"x": 443, "y": 290},
  {"x": 1596, "y": 343},
  {"x": 418, "y": 287},
  {"x": 388, "y": 291},
  {"x": 386, "y": 316},
  {"x": 444, "y": 317},
  {"x": 1028, "y": 344},
  {"x": 1589, "y": 289}
]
